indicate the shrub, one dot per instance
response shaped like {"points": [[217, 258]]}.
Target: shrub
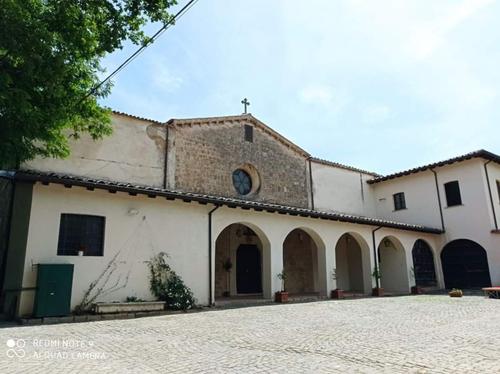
{"points": [[167, 286]]}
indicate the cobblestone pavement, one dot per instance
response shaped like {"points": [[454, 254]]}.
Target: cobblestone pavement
{"points": [[414, 334]]}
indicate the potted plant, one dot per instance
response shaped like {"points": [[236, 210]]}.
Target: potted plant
{"points": [[337, 293], [455, 292], [377, 291], [227, 265], [415, 290], [281, 296]]}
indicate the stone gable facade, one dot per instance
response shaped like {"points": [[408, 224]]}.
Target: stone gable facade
{"points": [[202, 157]]}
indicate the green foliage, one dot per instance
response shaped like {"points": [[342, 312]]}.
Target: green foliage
{"points": [[167, 286], [376, 273], [49, 60], [133, 299], [282, 276], [227, 265]]}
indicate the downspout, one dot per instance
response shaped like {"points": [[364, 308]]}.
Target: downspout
{"points": [[7, 242], [439, 199], [491, 195], [165, 165], [375, 257], [311, 183], [210, 291]]}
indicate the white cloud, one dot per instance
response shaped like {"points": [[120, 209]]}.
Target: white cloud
{"points": [[316, 94], [375, 114], [162, 76], [429, 38]]}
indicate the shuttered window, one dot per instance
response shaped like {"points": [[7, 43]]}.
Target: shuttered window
{"points": [[249, 133], [79, 232], [399, 201], [452, 190]]}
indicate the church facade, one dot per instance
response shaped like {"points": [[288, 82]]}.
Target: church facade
{"points": [[234, 204]]}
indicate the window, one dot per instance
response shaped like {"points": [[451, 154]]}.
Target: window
{"points": [[498, 189], [242, 182], [399, 201], [452, 190], [249, 133], [78, 232]]}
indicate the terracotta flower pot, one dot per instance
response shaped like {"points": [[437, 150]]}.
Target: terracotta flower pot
{"points": [[377, 291], [281, 297], [337, 294], [417, 290], [456, 293]]}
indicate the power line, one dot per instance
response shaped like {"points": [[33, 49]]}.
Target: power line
{"points": [[141, 49]]}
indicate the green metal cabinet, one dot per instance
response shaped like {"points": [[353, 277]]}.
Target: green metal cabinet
{"points": [[54, 285]]}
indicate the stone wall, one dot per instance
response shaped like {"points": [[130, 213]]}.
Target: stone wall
{"points": [[300, 262], [203, 156]]}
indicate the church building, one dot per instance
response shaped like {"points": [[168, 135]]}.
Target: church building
{"points": [[235, 204]]}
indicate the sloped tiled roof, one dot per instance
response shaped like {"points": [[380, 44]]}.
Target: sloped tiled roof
{"points": [[476, 154], [133, 189], [136, 117], [342, 166]]}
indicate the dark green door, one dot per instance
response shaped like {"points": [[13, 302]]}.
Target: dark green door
{"points": [[54, 284]]}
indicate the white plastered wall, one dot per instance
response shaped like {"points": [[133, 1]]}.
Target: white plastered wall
{"points": [[178, 228], [341, 190], [134, 153]]}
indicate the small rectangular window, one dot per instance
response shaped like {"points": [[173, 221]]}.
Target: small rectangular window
{"points": [[452, 191], [79, 232], [498, 189], [249, 133], [399, 201]]}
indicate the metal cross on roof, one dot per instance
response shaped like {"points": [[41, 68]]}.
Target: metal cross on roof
{"points": [[246, 103]]}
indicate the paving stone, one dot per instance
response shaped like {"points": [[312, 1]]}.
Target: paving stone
{"points": [[417, 334]]}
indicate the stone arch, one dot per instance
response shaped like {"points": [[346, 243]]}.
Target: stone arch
{"points": [[424, 264], [304, 262], [392, 265], [352, 263], [246, 248], [465, 265]]}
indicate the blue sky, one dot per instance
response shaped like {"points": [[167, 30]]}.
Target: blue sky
{"points": [[381, 85]]}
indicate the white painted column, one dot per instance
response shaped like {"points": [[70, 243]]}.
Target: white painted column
{"points": [[272, 267]]}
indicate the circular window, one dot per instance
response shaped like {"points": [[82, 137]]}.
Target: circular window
{"points": [[242, 182]]}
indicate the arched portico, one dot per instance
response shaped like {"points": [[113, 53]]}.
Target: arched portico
{"points": [[304, 262], [241, 261], [392, 266], [465, 265], [424, 269], [352, 264]]}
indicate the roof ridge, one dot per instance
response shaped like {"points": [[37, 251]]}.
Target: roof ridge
{"points": [[241, 117], [343, 166], [481, 153]]}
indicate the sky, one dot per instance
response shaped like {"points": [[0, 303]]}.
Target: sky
{"points": [[380, 85]]}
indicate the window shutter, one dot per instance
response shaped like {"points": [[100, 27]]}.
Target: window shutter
{"points": [[452, 191]]}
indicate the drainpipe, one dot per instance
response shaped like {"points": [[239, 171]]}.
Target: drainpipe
{"points": [[210, 293], [439, 199], [491, 196], [375, 257], [311, 183], [165, 165], [3, 273]]}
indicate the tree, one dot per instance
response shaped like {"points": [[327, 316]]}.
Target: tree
{"points": [[49, 61]]}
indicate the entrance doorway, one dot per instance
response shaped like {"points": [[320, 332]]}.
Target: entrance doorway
{"points": [[423, 264], [248, 269], [465, 265]]}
